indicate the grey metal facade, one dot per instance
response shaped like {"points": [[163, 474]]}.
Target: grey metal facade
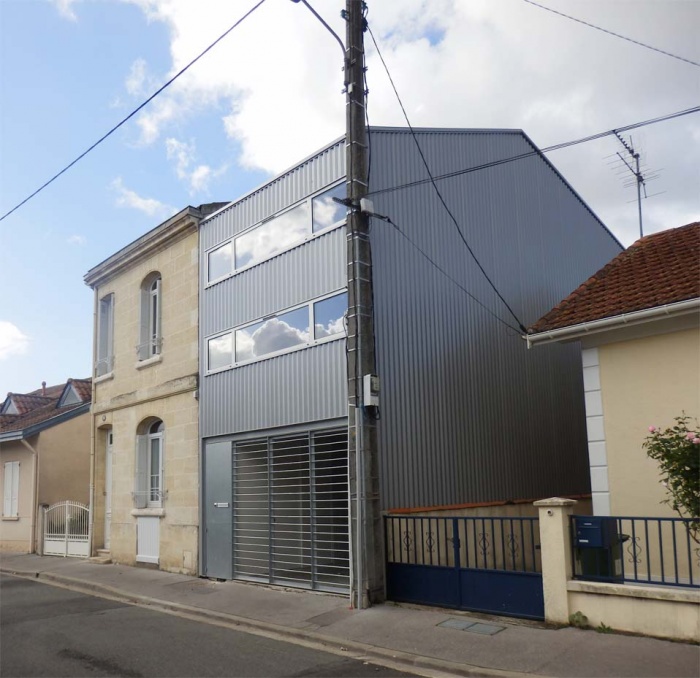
{"points": [[468, 414], [303, 386]]}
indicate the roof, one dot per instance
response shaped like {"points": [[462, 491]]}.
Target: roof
{"points": [[39, 408], [657, 270]]}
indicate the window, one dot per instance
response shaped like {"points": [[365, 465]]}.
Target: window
{"points": [[105, 331], [280, 333], [275, 235], [150, 339], [10, 489], [148, 490]]}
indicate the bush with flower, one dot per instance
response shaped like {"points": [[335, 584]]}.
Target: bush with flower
{"points": [[677, 451]]}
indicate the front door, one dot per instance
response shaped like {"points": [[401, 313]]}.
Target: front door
{"points": [[108, 488]]}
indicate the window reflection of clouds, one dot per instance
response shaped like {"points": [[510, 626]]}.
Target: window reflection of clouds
{"points": [[326, 211], [276, 334], [220, 263], [220, 351], [329, 314], [276, 235]]}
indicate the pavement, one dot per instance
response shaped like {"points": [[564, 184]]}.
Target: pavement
{"points": [[423, 640]]}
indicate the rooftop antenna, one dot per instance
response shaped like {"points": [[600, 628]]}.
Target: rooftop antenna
{"points": [[639, 177]]}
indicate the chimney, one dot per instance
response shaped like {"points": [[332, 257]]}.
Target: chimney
{"points": [[43, 388]]}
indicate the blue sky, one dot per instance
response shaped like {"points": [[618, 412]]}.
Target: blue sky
{"points": [[268, 96]]}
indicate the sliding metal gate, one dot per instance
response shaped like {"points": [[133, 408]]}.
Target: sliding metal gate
{"points": [[290, 510], [483, 564]]}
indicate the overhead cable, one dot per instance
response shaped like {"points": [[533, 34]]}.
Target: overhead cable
{"points": [[437, 190], [135, 111], [617, 35], [540, 151]]}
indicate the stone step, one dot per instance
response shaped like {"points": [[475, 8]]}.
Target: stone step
{"points": [[100, 560]]}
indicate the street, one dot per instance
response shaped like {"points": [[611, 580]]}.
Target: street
{"points": [[49, 631]]}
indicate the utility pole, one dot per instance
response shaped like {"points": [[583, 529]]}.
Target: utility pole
{"points": [[365, 523]]}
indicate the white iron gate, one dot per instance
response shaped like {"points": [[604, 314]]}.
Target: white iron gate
{"points": [[66, 530]]}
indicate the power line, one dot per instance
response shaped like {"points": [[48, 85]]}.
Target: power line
{"points": [[617, 35], [447, 275], [437, 190], [134, 112], [536, 152]]}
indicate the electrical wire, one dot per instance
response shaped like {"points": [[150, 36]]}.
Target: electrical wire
{"points": [[541, 151], [388, 220], [617, 35], [135, 111], [437, 190]]}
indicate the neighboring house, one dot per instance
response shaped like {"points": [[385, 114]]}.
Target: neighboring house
{"points": [[638, 323], [467, 414], [146, 446], [44, 457]]}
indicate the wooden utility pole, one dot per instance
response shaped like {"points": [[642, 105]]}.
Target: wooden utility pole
{"points": [[366, 526]]}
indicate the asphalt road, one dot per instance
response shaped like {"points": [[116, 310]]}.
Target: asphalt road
{"points": [[49, 631]]}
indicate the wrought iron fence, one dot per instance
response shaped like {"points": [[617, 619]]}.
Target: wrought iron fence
{"points": [[659, 551], [486, 543]]}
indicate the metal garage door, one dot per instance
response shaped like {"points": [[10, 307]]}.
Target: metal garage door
{"points": [[290, 510]]}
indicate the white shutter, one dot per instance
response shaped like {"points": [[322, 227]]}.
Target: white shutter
{"points": [[141, 475], [11, 489]]}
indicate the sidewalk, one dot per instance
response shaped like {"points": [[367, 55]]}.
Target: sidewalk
{"points": [[406, 636]]}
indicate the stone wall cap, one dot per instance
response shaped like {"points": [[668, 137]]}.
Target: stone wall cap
{"points": [[555, 501]]}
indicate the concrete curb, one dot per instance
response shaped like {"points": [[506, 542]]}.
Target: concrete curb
{"points": [[347, 648]]}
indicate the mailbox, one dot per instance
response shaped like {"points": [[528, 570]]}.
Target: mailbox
{"points": [[598, 548], [594, 532]]}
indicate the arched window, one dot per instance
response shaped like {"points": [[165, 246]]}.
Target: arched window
{"points": [[148, 490], [150, 337]]}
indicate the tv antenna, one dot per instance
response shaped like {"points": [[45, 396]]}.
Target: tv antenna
{"points": [[639, 179]]}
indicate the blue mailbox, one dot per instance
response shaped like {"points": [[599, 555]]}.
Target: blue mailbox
{"points": [[598, 548]]}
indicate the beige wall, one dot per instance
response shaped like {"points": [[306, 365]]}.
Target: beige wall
{"points": [[64, 461], [16, 533], [164, 389], [645, 382]]}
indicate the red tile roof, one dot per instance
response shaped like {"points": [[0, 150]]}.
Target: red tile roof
{"points": [[35, 408], [659, 269]]}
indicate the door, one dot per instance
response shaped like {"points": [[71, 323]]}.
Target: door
{"points": [[108, 488], [217, 510]]}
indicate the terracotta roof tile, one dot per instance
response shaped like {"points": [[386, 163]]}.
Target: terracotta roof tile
{"points": [[659, 269], [35, 408]]}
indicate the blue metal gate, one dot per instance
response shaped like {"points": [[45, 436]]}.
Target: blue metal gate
{"points": [[478, 563]]}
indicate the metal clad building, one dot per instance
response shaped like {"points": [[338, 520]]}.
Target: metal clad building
{"points": [[467, 413]]}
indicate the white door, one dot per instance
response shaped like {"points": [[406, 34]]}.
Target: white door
{"points": [[147, 539], [108, 488]]}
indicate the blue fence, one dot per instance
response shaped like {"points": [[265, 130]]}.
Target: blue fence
{"points": [[658, 551], [475, 563]]}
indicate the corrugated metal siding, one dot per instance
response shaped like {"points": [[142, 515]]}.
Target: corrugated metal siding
{"points": [[468, 413], [303, 386]]}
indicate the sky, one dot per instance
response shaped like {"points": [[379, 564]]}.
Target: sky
{"points": [[269, 95]]}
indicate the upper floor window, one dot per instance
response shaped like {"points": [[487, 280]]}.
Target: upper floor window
{"points": [[105, 336], [150, 337], [275, 235], [148, 490], [279, 333]]}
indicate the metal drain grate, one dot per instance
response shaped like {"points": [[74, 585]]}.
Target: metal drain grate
{"points": [[472, 626]]}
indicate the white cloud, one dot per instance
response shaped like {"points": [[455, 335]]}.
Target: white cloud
{"points": [[76, 240], [277, 79], [13, 341], [150, 206], [136, 79], [183, 154], [65, 8]]}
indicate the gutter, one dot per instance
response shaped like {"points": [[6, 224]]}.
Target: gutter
{"points": [[35, 503], [615, 322]]}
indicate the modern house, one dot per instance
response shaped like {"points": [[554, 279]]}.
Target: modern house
{"points": [[44, 457], [466, 415], [144, 414], [638, 323]]}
